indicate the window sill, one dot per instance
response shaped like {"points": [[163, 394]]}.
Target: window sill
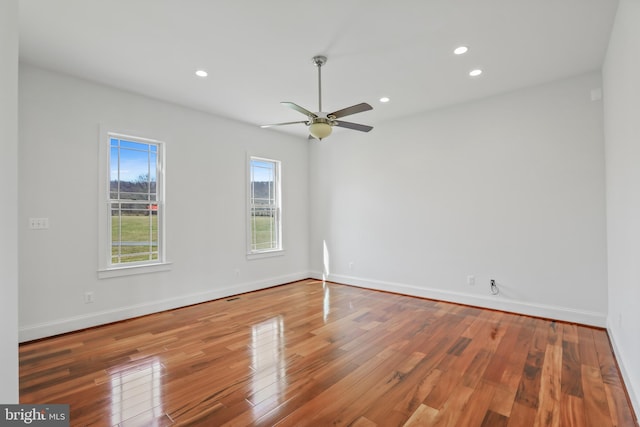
{"points": [[130, 270], [265, 254]]}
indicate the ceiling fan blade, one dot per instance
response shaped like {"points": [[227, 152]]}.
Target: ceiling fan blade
{"points": [[358, 108], [299, 108], [354, 126], [282, 124]]}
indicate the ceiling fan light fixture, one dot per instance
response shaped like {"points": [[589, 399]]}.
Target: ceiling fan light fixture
{"points": [[320, 130]]}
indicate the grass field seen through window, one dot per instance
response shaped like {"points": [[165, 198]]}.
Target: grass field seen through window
{"points": [[263, 229], [134, 238]]}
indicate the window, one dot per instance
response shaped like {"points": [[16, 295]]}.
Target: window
{"points": [[264, 206], [133, 221]]}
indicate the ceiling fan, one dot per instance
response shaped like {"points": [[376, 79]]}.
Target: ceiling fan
{"points": [[320, 123]]}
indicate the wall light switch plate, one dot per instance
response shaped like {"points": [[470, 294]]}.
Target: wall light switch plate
{"points": [[38, 223]]}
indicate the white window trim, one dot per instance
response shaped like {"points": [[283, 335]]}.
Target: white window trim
{"points": [[264, 253], [105, 269]]}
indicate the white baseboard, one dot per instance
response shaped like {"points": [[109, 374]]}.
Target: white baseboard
{"points": [[496, 303], [47, 329], [41, 330], [622, 363]]}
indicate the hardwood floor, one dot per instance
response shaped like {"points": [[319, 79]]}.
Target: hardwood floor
{"points": [[316, 354]]}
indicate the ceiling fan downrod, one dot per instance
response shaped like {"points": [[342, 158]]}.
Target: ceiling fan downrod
{"points": [[319, 60]]}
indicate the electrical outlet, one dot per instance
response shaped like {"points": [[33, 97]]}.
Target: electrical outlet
{"points": [[471, 280], [89, 297], [493, 287], [351, 265]]}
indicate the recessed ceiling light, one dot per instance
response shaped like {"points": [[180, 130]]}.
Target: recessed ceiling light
{"points": [[384, 99], [475, 73], [201, 73], [460, 50]]}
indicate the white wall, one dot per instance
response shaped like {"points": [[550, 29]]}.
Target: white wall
{"points": [[9, 205], [206, 187], [622, 132], [509, 188]]}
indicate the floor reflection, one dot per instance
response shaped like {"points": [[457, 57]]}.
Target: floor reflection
{"points": [[268, 360], [136, 391], [326, 302]]}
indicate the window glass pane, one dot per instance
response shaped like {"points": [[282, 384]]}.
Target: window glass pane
{"points": [[134, 233], [153, 166], [134, 145], [113, 171], [264, 205], [134, 209], [134, 174], [263, 226]]}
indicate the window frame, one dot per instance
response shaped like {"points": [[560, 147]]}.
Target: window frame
{"points": [[106, 268], [279, 249]]}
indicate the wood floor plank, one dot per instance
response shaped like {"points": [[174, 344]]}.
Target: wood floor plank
{"points": [[503, 351], [571, 377], [619, 405], [503, 400], [521, 415], [617, 399], [572, 411], [548, 411], [407, 402], [517, 358], [315, 353], [595, 399], [478, 404], [363, 422], [453, 407], [570, 333], [493, 419], [529, 387], [586, 345], [423, 416]]}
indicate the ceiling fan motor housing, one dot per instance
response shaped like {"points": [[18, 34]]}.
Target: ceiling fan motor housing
{"points": [[319, 60]]}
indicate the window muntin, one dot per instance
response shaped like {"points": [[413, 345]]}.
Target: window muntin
{"points": [[264, 205], [134, 203]]}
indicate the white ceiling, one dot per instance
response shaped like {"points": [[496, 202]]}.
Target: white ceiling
{"points": [[258, 52]]}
